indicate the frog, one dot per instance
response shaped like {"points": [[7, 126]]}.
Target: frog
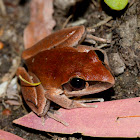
{"points": [[64, 68]]}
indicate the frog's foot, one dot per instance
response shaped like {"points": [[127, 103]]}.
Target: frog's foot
{"points": [[53, 116]]}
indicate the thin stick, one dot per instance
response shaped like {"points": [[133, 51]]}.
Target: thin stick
{"points": [[2, 7], [66, 22], [102, 22], [77, 23], [90, 30], [97, 38], [128, 117]]}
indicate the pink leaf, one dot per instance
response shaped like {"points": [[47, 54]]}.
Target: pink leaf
{"points": [[41, 22], [98, 122], [8, 136]]}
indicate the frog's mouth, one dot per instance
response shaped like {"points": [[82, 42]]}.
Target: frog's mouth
{"points": [[89, 87]]}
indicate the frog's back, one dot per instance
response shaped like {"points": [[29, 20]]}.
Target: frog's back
{"points": [[57, 66]]}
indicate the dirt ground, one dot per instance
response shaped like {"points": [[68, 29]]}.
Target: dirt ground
{"points": [[121, 27]]}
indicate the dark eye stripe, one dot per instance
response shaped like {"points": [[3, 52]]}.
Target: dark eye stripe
{"points": [[100, 55]]}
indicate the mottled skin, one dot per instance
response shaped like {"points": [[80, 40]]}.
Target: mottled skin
{"points": [[54, 61]]}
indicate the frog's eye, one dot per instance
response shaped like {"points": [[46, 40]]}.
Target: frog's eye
{"points": [[77, 83]]}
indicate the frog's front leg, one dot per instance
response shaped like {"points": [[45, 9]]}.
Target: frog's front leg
{"points": [[57, 96]]}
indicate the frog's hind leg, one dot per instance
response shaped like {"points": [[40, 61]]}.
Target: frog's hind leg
{"points": [[69, 37]]}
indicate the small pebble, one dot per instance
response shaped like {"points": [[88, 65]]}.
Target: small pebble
{"points": [[116, 64]]}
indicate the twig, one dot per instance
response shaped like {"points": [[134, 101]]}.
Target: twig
{"points": [[78, 22], [90, 30], [102, 22], [131, 3], [102, 46], [97, 38], [11, 73], [66, 22], [91, 41], [94, 3], [2, 7], [4, 104], [128, 117]]}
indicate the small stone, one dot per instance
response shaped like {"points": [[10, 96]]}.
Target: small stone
{"points": [[116, 64], [3, 87]]}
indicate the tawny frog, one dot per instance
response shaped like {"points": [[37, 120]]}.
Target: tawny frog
{"points": [[65, 69]]}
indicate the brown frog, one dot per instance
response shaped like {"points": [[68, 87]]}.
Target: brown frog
{"points": [[65, 69]]}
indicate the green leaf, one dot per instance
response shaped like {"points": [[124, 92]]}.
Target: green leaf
{"points": [[116, 4]]}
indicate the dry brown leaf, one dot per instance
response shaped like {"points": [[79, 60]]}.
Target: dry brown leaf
{"points": [[41, 22]]}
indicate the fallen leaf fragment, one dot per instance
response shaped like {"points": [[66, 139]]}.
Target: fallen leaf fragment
{"points": [[8, 136], [41, 22], [1, 31], [6, 112], [1, 45], [97, 122], [13, 102]]}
